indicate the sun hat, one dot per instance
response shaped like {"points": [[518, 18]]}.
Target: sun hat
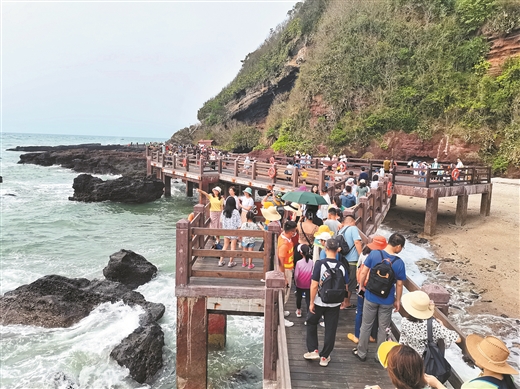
{"points": [[383, 350], [350, 181], [294, 207], [271, 214], [378, 243], [321, 229], [218, 189], [418, 304], [248, 190], [489, 353], [362, 181], [323, 236]]}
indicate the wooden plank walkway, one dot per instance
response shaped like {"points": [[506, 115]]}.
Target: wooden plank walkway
{"points": [[344, 370]]}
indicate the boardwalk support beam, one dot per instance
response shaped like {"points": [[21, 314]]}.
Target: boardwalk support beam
{"points": [[192, 343], [462, 210], [167, 186], [430, 218], [485, 202], [274, 284]]}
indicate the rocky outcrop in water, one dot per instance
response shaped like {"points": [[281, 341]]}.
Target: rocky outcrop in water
{"points": [[55, 301], [129, 268], [94, 158], [124, 189]]}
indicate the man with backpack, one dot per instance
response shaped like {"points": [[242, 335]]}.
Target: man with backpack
{"points": [[328, 291], [351, 235], [383, 290]]}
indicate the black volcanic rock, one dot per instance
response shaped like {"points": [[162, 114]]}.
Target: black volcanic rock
{"points": [[55, 301], [129, 268], [124, 189]]}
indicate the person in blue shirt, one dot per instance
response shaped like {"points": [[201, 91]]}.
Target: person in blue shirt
{"points": [[376, 306], [363, 175], [348, 199]]}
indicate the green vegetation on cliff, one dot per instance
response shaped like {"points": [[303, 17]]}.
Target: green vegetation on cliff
{"points": [[413, 65]]}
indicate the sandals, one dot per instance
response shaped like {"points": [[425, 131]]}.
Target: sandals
{"points": [[232, 264]]}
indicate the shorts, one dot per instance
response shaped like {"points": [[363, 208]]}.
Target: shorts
{"points": [[247, 245], [352, 282]]}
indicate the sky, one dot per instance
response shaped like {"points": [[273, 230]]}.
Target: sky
{"points": [[129, 68]]}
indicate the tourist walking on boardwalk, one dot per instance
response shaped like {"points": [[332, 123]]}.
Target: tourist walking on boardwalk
{"points": [[362, 190], [246, 203], [378, 243], [405, 367], [379, 299], [306, 231], [350, 233], [302, 277], [216, 205], [347, 198], [414, 332], [286, 260], [230, 220], [248, 242], [490, 355], [318, 308]]}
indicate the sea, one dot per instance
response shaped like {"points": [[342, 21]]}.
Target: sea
{"points": [[44, 233]]}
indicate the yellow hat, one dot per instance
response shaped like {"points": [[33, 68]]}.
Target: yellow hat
{"points": [[383, 350], [323, 228]]}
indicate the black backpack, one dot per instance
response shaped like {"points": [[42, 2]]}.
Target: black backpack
{"points": [[434, 362], [340, 238], [382, 277], [331, 288]]}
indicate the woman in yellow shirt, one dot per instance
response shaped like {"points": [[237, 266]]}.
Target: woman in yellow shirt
{"points": [[216, 205]]}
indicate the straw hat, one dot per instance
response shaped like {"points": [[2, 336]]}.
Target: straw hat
{"points": [[321, 229], [378, 243], [418, 304], [248, 190], [294, 207], [383, 350], [489, 353], [271, 214]]}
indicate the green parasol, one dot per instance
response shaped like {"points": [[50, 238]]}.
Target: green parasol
{"points": [[304, 198]]}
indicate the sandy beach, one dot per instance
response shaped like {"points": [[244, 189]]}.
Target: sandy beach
{"points": [[486, 250]]}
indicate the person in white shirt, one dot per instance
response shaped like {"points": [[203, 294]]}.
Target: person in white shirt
{"points": [[323, 211]]}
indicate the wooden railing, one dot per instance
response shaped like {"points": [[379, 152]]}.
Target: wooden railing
{"points": [[432, 178]]}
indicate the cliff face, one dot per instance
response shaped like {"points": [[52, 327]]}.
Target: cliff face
{"points": [[502, 48]]}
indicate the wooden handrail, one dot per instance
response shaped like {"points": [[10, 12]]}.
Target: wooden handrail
{"points": [[283, 372]]}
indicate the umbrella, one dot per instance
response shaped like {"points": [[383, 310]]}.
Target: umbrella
{"points": [[304, 198]]}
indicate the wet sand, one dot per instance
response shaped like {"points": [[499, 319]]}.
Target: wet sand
{"points": [[485, 251]]}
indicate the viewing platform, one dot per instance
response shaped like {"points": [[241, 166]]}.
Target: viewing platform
{"points": [[234, 170]]}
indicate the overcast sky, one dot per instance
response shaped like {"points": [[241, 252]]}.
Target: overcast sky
{"points": [[123, 68]]}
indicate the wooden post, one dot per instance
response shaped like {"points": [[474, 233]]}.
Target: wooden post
{"points": [[485, 202], [158, 174], [220, 165], [189, 188], [183, 252], [295, 177], [201, 166], [430, 217], [148, 166], [321, 179], [275, 230], [167, 186], [187, 158], [192, 343], [253, 171], [199, 208], [363, 202], [274, 284], [462, 210], [217, 326], [316, 163], [174, 161], [428, 175], [235, 168]]}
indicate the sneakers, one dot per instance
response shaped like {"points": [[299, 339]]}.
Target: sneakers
{"points": [[324, 361], [355, 353], [312, 355], [244, 265], [288, 323], [353, 338], [286, 313], [252, 266], [322, 323], [298, 313]]}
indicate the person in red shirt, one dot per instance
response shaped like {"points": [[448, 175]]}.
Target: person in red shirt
{"points": [[286, 260]]}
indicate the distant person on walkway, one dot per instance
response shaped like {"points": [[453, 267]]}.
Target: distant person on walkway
{"points": [[405, 368], [286, 260], [323, 210], [246, 203], [490, 355], [248, 242], [374, 305], [386, 165], [302, 277], [317, 308], [459, 165], [374, 183], [362, 189], [230, 220], [216, 205], [414, 332], [348, 200], [363, 175]]}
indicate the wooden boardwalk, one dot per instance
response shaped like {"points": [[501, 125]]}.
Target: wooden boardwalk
{"points": [[344, 370]]}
